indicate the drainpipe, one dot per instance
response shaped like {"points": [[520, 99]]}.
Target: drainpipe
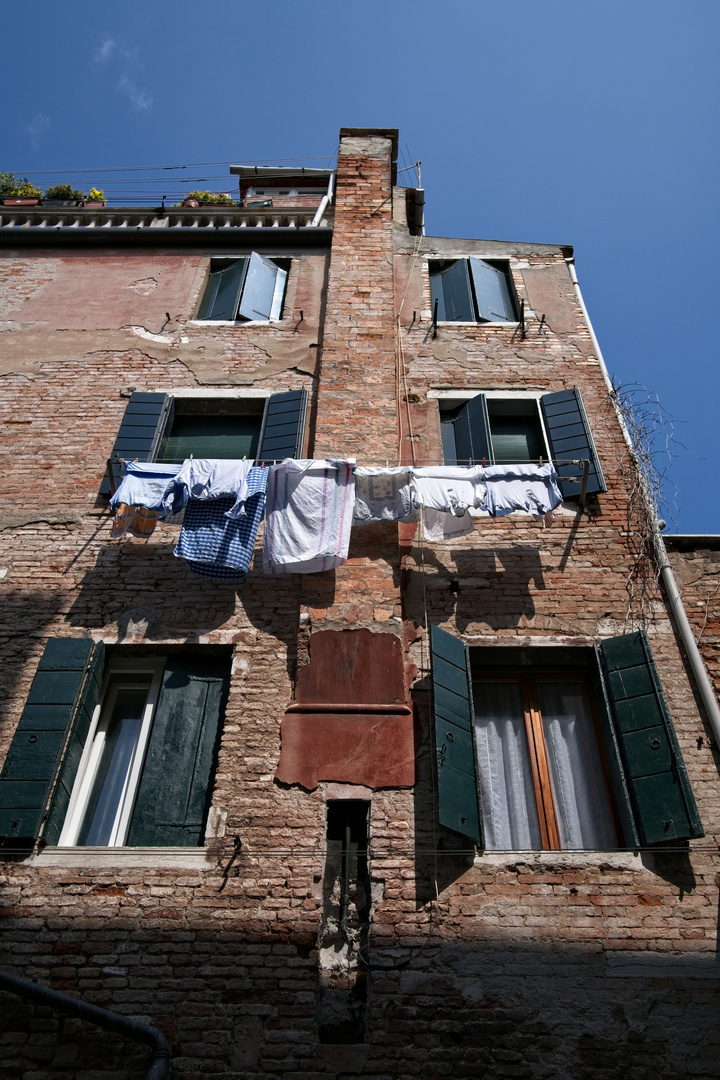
{"points": [[682, 623], [111, 1021], [326, 200]]}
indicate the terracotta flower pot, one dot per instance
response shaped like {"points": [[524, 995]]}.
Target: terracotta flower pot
{"points": [[20, 200]]}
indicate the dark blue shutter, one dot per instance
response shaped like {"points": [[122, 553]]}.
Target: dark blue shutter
{"points": [[175, 787], [284, 426], [457, 788], [140, 431], [222, 292], [492, 292], [659, 787], [451, 288], [36, 748], [78, 737], [472, 433], [571, 439]]}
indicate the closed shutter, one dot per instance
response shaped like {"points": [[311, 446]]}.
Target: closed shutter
{"points": [[263, 291], [656, 776], [457, 787], [472, 434], [36, 748], [492, 292], [284, 426], [222, 293], [173, 796], [571, 440], [140, 431], [450, 286]]}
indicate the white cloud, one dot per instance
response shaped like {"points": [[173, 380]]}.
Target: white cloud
{"points": [[140, 99], [103, 53], [36, 128]]}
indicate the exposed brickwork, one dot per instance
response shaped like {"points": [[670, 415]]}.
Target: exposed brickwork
{"points": [[595, 966]]}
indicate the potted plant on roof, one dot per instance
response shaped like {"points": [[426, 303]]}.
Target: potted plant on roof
{"points": [[63, 195], [208, 198], [94, 197], [18, 191]]}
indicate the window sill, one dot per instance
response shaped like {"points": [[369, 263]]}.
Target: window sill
{"points": [[475, 322], [544, 860], [99, 857], [241, 322]]}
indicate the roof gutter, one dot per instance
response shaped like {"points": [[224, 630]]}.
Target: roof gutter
{"points": [[104, 1018], [677, 608]]}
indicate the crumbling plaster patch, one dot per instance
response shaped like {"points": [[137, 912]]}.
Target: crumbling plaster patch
{"points": [[209, 359]]}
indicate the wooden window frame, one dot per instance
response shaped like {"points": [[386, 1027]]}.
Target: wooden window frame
{"points": [[536, 744]]}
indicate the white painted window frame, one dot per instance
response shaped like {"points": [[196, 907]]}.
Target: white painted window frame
{"points": [[92, 754]]}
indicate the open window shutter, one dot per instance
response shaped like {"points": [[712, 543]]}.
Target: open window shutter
{"points": [[659, 787], [36, 748], [263, 290], [613, 754], [68, 770], [173, 797], [571, 440], [140, 430], [492, 292], [222, 293], [451, 287], [458, 792], [472, 433], [284, 426]]}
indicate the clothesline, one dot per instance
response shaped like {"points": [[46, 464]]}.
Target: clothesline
{"points": [[310, 506]]}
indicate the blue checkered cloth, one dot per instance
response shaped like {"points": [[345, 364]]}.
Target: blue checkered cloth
{"points": [[219, 547]]}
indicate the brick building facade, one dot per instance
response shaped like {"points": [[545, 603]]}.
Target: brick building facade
{"points": [[337, 895]]}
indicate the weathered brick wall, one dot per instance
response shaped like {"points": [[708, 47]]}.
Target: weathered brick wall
{"points": [[696, 565], [574, 964]]}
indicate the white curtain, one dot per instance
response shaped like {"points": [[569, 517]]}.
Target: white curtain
{"points": [[508, 799], [581, 800]]}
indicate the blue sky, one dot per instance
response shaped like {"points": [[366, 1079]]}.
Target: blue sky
{"points": [[593, 124]]}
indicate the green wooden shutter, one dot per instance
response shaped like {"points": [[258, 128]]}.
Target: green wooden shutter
{"points": [[174, 792], [284, 426], [223, 290], [36, 748], [613, 754], [458, 792], [140, 431], [571, 439], [472, 433], [492, 291], [657, 779], [78, 737]]}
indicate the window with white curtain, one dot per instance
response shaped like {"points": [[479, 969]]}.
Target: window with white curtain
{"points": [[542, 778]]}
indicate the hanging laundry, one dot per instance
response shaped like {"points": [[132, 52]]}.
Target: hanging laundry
{"points": [[209, 478], [138, 500], [439, 526], [309, 515], [216, 545], [532, 488], [382, 494], [449, 488]]}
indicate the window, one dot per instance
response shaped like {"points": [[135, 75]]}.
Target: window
{"points": [[160, 427], [496, 430], [251, 288], [472, 290], [541, 775], [571, 749], [132, 743]]}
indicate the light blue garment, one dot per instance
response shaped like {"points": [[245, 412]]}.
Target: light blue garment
{"points": [[210, 478], [144, 484], [532, 488]]}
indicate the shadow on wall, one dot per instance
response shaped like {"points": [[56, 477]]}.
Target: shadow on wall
{"points": [[28, 613], [495, 582], [492, 1008]]}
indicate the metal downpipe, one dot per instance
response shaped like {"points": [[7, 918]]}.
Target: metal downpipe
{"points": [[104, 1018]]}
